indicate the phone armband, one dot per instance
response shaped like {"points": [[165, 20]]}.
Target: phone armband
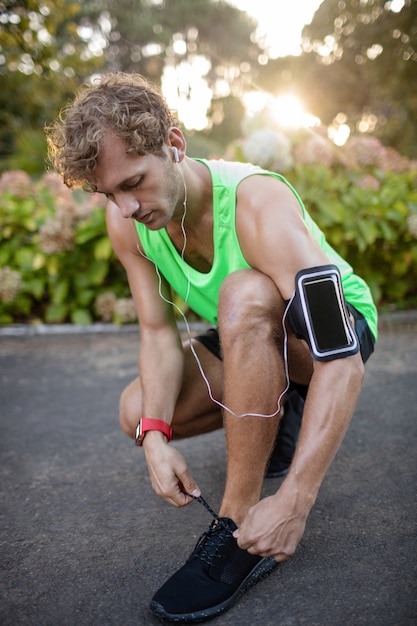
{"points": [[319, 315]]}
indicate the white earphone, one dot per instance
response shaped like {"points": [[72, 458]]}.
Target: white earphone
{"points": [[176, 154]]}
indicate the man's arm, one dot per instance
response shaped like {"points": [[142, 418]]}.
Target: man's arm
{"points": [[282, 247], [275, 526], [160, 359]]}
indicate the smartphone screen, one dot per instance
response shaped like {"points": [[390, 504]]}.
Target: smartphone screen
{"points": [[326, 316]]}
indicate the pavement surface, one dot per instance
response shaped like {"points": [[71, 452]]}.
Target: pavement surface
{"points": [[85, 541]]}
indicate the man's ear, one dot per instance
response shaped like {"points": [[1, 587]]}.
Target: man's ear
{"points": [[177, 143]]}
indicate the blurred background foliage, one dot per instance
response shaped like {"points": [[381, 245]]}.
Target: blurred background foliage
{"points": [[359, 60], [357, 73]]}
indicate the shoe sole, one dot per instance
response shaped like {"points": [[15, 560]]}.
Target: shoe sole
{"points": [[260, 571]]}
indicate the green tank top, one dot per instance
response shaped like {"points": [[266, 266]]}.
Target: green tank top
{"points": [[201, 290]]}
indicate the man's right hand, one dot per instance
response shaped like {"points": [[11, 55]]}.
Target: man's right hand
{"points": [[168, 470]]}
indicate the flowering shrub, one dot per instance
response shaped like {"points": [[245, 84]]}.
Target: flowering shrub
{"points": [[370, 219], [10, 284], [57, 265], [369, 151], [363, 196], [56, 261], [313, 150]]}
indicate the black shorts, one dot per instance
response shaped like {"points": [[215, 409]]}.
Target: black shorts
{"points": [[211, 340]]}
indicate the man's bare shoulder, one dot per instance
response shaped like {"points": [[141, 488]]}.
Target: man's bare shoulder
{"points": [[259, 193], [272, 231]]}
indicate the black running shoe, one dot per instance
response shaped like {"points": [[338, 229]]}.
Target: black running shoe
{"points": [[217, 573], [287, 437]]}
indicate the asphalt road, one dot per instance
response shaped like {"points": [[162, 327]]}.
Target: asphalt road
{"points": [[84, 541]]}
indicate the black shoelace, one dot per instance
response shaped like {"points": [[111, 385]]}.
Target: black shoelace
{"points": [[210, 542], [201, 500]]}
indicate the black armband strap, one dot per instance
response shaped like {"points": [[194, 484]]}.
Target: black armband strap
{"points": [[319, 315]]}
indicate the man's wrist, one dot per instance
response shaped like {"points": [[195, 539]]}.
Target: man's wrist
{"points": [[147, 424], [304, 493]]}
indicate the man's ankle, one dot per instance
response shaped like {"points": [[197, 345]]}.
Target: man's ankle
{"points": [[234, 512]]}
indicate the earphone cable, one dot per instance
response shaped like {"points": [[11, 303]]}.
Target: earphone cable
{"points": [[188, 330]]}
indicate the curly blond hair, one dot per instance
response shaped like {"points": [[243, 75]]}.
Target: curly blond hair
{"points": [[124, 103]]}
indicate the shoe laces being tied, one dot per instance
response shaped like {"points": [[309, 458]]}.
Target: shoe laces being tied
{"points": [[210, 543]]}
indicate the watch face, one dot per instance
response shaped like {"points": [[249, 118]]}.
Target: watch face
{"points": [[139, 435]]}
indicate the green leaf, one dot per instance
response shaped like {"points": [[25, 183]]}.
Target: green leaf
{"points": [[24, 258], [35, 286], [52, 265], [60, 291], [102, 249], [56, 313], [85, 297], [97, 272], [82, 317], [81, 281], [4, 255], [368, 231], [5, 318]]}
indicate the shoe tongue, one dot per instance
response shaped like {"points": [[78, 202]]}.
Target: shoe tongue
{"points": [[224, 522]]}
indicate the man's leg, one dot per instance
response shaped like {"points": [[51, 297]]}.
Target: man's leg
{"points": [[250, 324], [218, 571], [291, 415], [195, 413]]}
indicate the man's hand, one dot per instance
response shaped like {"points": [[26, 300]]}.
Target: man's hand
{"points": [[168, 470], [273, 527]]}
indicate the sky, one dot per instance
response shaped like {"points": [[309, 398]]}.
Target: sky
{"points": [[281, 21]]}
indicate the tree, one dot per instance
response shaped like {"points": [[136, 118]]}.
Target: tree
{"points": [[359, 61], [44, 55], [365, 62], [48, 48], [187, 39]]}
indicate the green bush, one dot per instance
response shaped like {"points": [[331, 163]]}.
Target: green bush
{"points": [[371, 220], [363, 196], [56, 262], [57, 265]]}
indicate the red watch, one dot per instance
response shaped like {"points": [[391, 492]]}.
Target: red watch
{"points": [[146, 424]]}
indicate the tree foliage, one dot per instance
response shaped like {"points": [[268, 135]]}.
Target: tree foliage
{"points": [[147, 35], [48, 47], [366, 61], [43, 58], [359, 60], [210, 37]]}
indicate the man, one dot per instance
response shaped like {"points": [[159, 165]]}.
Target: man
{"points": [[237, 244]]}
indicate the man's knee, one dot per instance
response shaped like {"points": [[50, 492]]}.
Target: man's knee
{"points": [[249, 301], [130, 408]]}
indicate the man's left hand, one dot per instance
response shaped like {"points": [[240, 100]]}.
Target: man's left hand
{"points": [[271, 528]]}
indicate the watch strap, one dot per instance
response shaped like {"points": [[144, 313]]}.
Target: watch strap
{"points": [[147, 423]]}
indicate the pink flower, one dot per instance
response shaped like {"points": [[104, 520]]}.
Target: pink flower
{"points": [[104, 306], [125, 311], [10, 284], [16, 182], [364, 150], [392, 161], [315, 150], [369, 182]]}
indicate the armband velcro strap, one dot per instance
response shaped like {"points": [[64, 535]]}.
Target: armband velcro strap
{"points": [[318, 314]]}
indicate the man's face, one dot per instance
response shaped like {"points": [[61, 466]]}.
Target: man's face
{"points": [[146, 188]]}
